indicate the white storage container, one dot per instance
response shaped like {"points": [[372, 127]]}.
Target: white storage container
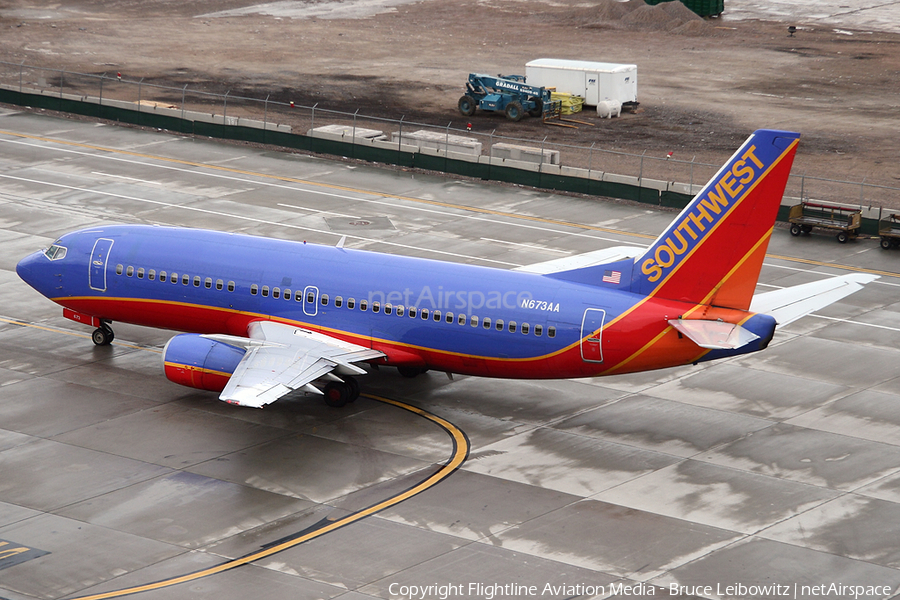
{"points": [[595, 81]]}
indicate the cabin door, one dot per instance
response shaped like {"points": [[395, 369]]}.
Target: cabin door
{"points": [[99, 257], [591, 333]]}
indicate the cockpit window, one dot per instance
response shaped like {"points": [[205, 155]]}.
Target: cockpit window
{"points": [[55, 252]]}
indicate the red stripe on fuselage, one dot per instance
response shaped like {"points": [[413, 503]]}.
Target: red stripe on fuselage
{"points": [[621, 340]]}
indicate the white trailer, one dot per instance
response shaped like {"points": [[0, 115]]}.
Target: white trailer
{"points": [[595, 81]]}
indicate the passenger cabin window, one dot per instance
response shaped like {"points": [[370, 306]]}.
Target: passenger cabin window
{"points": [[287, 294], [499, 325], [151, 274], [538, 330], [424, 314], [129, 271], [473, 321], [486, 323], [207, 283], [311, 297], [376, 307], [448, 318], [351, 303], [173, 278], [324, 299], [230, 286], [276, 292], [388, 309], [338, 302], [461, 319], [525, 328], [186, 279], [511, 326], [551, 331], [400, 311], [363, 305], [412, 312], [298, 296], [254, 289], [163, 276], [196, 281], [140, 273], [265, 291], [436, 316], [119, 269], [219, 284]]}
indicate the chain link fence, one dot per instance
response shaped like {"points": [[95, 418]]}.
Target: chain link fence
{"points": [[234, 109]]}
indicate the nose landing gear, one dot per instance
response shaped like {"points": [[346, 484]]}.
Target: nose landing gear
{"points": [[103, 335]]}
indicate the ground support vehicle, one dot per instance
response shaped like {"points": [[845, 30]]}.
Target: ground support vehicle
{"points": [[508, 94], [843, 219], [889, 231]]}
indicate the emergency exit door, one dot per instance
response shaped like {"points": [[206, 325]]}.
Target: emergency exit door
{"points": [[591, 334]]}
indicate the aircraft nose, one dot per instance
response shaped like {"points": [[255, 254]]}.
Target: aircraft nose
{"points": [[28, 269]]}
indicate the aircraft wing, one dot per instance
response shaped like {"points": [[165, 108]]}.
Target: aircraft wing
{"points": [[789, 304], [581, 261], [281, 358]]}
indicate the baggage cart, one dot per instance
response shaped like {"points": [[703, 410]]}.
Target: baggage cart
{"points": [[889, 231], [843, 219]]}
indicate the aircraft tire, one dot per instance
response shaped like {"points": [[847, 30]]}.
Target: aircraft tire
{"points": [[102, 336], [336, 394], [353, 386]]}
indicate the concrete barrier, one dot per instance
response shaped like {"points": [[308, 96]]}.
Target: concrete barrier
{"points": [[341, 133], [440, 141], [525, 154]]}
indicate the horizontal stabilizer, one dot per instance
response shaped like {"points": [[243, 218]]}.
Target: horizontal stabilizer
{"points": [[715, 335], [789, 304], [581, 261]]}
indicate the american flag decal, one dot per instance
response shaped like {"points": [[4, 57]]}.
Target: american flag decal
{"points": [[612, 276]]}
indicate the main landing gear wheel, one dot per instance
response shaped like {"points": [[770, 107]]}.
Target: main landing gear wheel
{"points": [[103, 336], [338, 393], [354, 388]]}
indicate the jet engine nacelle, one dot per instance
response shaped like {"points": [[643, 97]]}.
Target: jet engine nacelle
{"points": [[197, 362]]}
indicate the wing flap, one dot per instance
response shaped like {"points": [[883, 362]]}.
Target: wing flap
{"points": [[281, 359]]}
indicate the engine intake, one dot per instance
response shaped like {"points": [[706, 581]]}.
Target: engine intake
{"points": [[197, 362]]}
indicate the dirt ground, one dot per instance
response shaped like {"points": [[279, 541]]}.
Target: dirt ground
{"points": [[703, 85]]}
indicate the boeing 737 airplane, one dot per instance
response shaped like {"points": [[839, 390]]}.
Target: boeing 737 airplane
{"points": [[265, 317]]}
